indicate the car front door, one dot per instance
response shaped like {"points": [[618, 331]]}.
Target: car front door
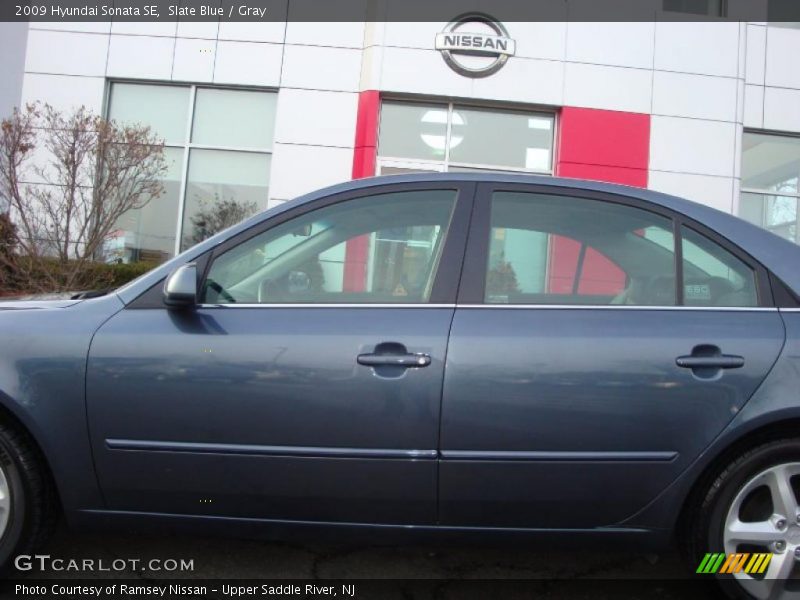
{"points": [[306, 383], [581, 379]]}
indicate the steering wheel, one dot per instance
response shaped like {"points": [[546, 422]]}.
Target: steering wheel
{"points": [[220, 291]]}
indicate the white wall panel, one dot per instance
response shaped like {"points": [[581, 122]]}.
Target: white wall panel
{"points": [[316, 118], [754, 106], [140, 56], [340, 35], [617, 44], [298, 169], [401, 34], [612, 88], [421, 72], [756, 45], [783, 50], [152, 28], [66, 53], [524, 80], [716, 192], [540, 40], [194, 60], [251, 31], [696, 96], [87, 27], [692, 146], [64, 92], [246, 63], [206, 30], [782, 109], [704, 48], [318, 68]]}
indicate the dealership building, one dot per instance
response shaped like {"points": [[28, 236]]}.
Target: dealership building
{"points": [[254, 114]]}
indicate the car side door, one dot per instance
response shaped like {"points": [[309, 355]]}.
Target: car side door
{"points": [[306, 382], [599, 345]]}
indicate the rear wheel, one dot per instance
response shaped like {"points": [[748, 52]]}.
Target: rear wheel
{"points": [[27, 506], [752, 508]]}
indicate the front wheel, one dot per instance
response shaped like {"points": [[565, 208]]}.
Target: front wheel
{"points": [[27, 506], [749, 524]]}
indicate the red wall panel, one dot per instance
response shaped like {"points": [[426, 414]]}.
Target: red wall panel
{"points": [[589, 138], [603, 145], [364, 156]]}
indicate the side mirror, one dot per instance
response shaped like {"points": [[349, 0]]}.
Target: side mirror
{"points": [[180, 288]]}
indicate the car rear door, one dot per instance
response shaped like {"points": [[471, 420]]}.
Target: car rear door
{"points": [[581, 379], [306, 385]]}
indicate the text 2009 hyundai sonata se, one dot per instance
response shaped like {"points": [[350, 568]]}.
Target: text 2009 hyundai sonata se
{"points": [[444, 352]]}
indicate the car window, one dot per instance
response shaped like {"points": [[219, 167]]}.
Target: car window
{"points": [[562, 250], [713, 276], [377, 249]]}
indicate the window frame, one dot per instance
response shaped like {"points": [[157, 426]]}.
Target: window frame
{"points": [[448, 268], [473, 283], [764, 193], [188, 145]]}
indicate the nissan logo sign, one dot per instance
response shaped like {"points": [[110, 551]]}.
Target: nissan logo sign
{"points": [[475, 45]]}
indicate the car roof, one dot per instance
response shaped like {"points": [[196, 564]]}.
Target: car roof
{"points": [[779, 255]]}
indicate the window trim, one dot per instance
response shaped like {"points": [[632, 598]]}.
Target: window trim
{"points": [[473, 284], [448, 270]]}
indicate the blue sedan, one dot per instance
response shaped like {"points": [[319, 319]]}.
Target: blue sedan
{"points": [[483, 353]]}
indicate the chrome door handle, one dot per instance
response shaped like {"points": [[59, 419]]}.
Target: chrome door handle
{"points": [[394, 360], [707, 361], [723, 361]]}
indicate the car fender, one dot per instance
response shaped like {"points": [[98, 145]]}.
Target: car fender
{"points": [[43, 385]]}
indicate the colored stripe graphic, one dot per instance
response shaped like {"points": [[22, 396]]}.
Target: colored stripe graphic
{"points": [[734, 563], [761, 564], [711, 563]]}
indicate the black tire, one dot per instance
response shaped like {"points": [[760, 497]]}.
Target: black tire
{"points": [[33, 513], [706, 522]]}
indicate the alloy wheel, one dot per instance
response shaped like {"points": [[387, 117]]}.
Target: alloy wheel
{"points": [[764, 517], [5, 502]]}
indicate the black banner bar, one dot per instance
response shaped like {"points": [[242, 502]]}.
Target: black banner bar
{"points": [[332, 11], [354, 589]]}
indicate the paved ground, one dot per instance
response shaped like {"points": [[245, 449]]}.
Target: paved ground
{"points": [[559, 574]]}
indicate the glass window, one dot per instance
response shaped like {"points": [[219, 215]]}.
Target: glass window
{"points": [[218, 150], [389, 170], [712, 276], [164, 108], [148, 233], [233, 118], [560, 250], [459, 138], [413, 130], [776, 213], [223, 188], [771, 163], [771, 183], [525, 140], [379, 249]]}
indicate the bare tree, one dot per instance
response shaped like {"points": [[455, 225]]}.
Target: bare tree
{"points": [[8, 237], [65, 206]]}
